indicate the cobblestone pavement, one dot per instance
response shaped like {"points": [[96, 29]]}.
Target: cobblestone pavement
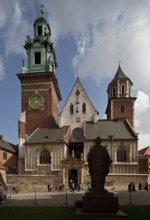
{"points": [[63, 198]]}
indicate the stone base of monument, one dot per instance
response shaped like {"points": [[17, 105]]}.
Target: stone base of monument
{"points": [[99, 204]]}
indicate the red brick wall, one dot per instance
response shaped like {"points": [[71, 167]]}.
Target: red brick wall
{"points": [[11, 164], [21, 127], [128, 109], [114, 109], [44, 116], [143, 164]]}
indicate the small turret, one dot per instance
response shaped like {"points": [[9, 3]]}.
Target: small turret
{"points": [[40, 51], [41, 27], [120, 86], [120, 102]]}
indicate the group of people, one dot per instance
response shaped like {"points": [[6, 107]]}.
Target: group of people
{"points": [[131, 186], [61, 188], [73, 185]]}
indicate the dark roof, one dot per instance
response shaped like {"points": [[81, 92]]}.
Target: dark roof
{"points": [[120, 75], [47, 135], [8, 146], [145, 151], [104, 128]]}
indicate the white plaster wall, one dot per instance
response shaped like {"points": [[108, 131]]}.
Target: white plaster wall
{"points": [[32, 155], [77, 118]]}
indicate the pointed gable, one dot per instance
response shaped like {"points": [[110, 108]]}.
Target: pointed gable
{"points": [[78, 107]]}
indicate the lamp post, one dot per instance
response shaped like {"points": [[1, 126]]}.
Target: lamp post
{"points": [[111, 139]]}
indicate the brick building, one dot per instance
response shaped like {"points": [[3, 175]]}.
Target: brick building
{"points": [[8, 156], [144, 160]]}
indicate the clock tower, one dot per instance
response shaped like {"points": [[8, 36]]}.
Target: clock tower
{"points": [[40, 93]]}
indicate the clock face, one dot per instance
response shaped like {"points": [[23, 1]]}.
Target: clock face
{"points": [[36, 102], [78, 134]]}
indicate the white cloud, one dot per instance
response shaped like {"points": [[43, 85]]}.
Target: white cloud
{"points": [[106, 32], [122, 35], [2, 68], [142, 103], [142, 118], [17, 28], [144, 140], [2, 18]]}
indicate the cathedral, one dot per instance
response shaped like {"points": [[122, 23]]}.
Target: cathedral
{"points": [[53, 146]]}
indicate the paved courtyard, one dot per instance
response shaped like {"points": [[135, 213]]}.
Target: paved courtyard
{"points": [[61, 198]]}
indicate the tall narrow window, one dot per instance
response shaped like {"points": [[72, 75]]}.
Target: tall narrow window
{"points": [[114, 91], [45, 157], [121, 155], [71, 109], [4, 156], [122, 89], [45, 32], [122, 109], [40, 30], [37, 58], [84, 108]]}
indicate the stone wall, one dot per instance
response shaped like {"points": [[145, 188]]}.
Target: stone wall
{"points": [[121, 181], [31, 183]]}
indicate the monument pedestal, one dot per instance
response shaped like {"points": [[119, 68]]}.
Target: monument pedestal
{"points": [[100, 203]]}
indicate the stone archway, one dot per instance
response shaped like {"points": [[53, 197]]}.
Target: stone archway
{"points": [[72, 168], [73, 174]]}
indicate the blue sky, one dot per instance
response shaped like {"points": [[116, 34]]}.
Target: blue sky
{"points": [[90, 38]]}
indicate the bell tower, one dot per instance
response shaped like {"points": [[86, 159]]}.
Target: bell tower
{"points": [[40, 92], [120, 102]]}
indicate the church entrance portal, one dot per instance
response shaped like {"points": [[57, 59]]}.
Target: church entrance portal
{"points": [[72, 168], [73, 174]]}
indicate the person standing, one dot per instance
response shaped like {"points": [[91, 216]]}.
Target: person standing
{"points": [[146, 186], [140, 185], [49, 187], [72, 186]]}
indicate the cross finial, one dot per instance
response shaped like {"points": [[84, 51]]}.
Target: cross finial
{"points": [[42, 10], [120, 62], [77, 74]]}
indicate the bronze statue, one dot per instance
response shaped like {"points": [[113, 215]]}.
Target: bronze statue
{"points": [[99, 163]]}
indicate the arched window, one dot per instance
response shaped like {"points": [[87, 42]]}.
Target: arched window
{"points": [[84, 108], [71, 109], [121, 155], [45, 157], [40, 30]]}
